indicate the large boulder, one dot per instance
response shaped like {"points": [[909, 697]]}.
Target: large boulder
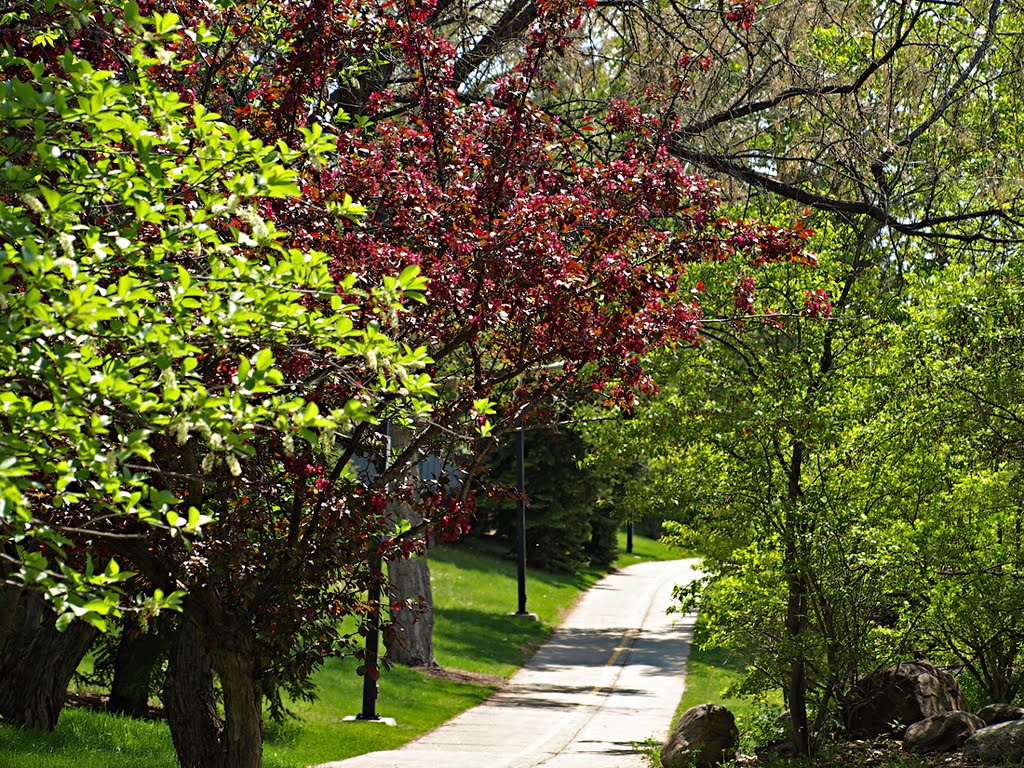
{"points": [[1000, 713], [889, 700], [942, 733], [705, 736], [1000, 744]]}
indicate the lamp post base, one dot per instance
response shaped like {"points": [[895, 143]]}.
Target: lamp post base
{"points": [[525, 615], [379, 720]]}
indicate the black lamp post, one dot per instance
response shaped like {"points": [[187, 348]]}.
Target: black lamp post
{"points": [[371, 656], [521, 527], [371, 668]]}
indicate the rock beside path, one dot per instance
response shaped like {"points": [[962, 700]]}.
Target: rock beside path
{"points": [[1000, 713], [1001, 744], [902, 695], [944, 732], [705, 736]]}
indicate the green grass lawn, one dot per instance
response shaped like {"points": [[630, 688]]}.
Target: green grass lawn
{"points": [[646, 549], [475, 590]]}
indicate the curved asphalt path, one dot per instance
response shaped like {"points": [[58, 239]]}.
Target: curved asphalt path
{"points": [[611, 675]]}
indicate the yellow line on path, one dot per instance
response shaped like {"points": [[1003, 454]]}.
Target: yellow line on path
{"points": [[628, 641]]}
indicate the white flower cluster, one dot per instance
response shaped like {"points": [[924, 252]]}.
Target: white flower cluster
{"points": [[67, 244], [327, 440], [228, 206], [230, 460], [219, 451], [33, 203], [260, 231]]}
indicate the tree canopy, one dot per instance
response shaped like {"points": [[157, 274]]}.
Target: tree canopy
{"points": [[244, 238], [246, 243]]}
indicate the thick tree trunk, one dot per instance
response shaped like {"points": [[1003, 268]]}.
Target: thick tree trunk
{"points": [[189, 701], [243, 707], [411, 641], [138, 655], [201, 738], [37, 661]]}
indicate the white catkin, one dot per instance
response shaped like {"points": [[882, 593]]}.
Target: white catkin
{"points": [[169, 379], [371, 359], [233, 464], [256, 222], [33, 203], [229, 206], [289, 444], [67, 244], [208, 461], [66, 264], [216, 441], [183, 426], [327, 440]]}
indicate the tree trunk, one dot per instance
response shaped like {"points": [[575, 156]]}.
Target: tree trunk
{"points": [[189, 701], [797, 688], [37, 661], [243, 707], [201, 738], [138, 655], [411, 639], [796, 607]]}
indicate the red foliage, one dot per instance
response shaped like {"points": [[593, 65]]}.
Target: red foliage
{"points": [[817, 304], [743, 13]]}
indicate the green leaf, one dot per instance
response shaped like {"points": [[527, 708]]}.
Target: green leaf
{"points": [[264, 359]]}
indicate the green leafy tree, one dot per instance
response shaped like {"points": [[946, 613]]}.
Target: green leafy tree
{"points": [[752, 433], [852, 479], [964, 343], [158, 350]]}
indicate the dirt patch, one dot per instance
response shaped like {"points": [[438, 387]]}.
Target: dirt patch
{"points": [[98, 702], [458, 676]]}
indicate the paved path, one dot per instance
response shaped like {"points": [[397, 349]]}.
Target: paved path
{"points": [[611, 675]]}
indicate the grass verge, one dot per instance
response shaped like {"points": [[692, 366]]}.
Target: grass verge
{"points": [[646, 549], [475, 590], [710, 674]]}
